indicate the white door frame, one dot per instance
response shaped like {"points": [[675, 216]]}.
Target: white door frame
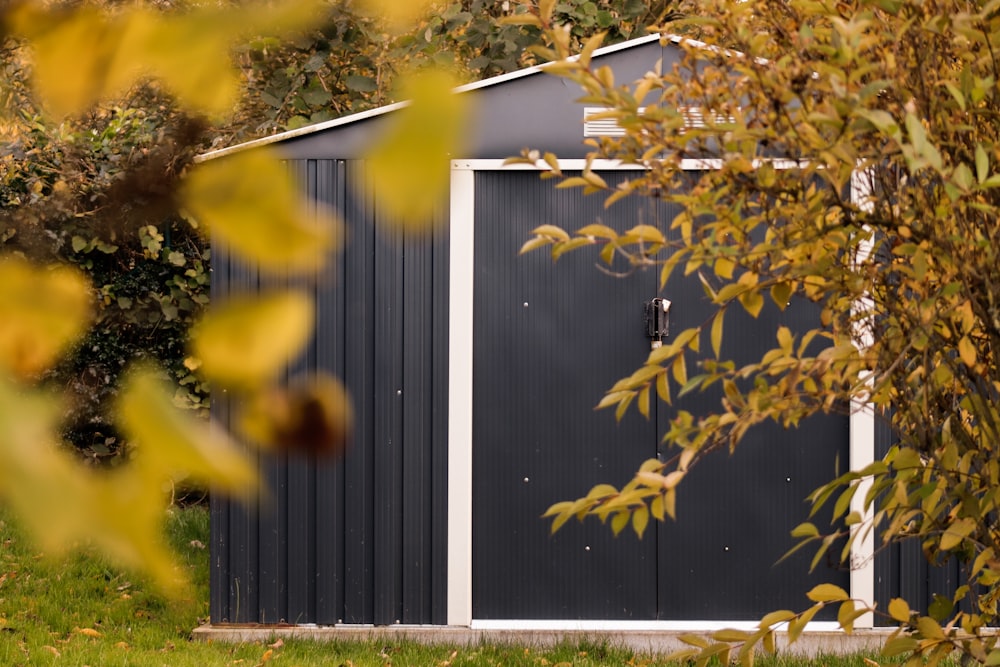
{"points": [[460, 407]]}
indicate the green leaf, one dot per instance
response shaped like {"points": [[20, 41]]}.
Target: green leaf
{"points": [[941, 608], [982, 164], [361, 84]]}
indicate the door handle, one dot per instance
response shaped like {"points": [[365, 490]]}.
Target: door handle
{"points": [[657, 316]]}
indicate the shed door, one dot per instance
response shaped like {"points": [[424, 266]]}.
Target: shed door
{"points": [[549, 339]]}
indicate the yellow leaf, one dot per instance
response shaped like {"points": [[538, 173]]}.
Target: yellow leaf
{"points": [[71, 54], [619, 521], [188, 54], [174, 443], [716, 333], [640, 519], [647, 233], [730, 636], [534, 244], [827, 593], [679, 368], [967, 351], [724, 267], [643, 401], [598, 230], [88, 632], [752, 302], [247, 341], [251, 204], [397, 13], [42, 311], [956, 532], [557, 233], [899, 610], [121, 513], [410, 162], [670, 502], [775, 617], [85, 55]]}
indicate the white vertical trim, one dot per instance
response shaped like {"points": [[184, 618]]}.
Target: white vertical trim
{"points": [[862, 453], [862, 429], [460, 302]]}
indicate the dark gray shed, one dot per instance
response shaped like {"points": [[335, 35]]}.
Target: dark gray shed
{"points": [[473, 373]]}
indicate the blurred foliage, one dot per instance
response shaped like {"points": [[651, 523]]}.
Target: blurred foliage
{"points": [[97, 189], [845, 154], [103, 108]]}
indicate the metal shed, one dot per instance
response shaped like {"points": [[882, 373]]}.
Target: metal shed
{"points": [[473, 373]]}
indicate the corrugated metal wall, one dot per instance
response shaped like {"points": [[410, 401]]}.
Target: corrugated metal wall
{"points": [[550, 339], [901, 569], [362, 540]]}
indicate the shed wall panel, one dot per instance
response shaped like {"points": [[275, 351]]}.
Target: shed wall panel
{"points": [[326, 543]]}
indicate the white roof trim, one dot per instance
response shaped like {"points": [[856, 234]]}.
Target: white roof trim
{"points": [[485, 83]]}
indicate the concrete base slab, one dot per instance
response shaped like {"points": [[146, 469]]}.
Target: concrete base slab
{"points": [[640, 641]]}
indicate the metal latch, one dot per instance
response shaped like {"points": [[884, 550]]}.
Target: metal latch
{"points": [[657, 314]]}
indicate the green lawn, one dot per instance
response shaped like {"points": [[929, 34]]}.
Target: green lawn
{"points": [[79, 611]]}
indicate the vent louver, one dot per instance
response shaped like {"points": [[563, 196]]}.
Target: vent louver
{"points": [[694, 117]]}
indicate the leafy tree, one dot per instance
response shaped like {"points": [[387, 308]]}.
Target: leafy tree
{"points": [[803, 103]]}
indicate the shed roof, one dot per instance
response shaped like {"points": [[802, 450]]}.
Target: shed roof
{"points": [[510, 111]]}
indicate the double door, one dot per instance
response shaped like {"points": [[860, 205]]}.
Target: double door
{"points": [[549, 339]]}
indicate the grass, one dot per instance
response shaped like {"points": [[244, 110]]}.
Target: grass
{"points": [[80, 611]]}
